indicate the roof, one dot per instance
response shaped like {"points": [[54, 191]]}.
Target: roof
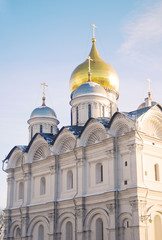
{"points": [[21, 147], [89, 88], [43, 111], [137, 113]]}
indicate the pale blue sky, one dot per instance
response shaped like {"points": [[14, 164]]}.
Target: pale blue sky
{"points": [[45, 41]]}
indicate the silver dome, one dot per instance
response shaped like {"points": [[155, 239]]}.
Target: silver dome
{"points": [[43, 111], [89, 88]]}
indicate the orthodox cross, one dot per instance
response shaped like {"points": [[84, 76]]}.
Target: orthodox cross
{"points": [[93, 25], [89, 67], [149, 88], [44, 85]]}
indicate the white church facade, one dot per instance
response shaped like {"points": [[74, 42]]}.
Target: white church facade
{"points": [[99, 178]]}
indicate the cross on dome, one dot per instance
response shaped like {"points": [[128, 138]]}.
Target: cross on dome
{"points": [[43, 98], [89, 67], [149, 88], [94, 26]]}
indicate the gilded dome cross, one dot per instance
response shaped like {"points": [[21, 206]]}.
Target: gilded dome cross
{"points": [[93, 25], [89, 67]]}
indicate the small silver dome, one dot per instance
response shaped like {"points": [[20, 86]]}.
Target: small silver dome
{"points": [[43, 111], [144, 104], [89, 88]]}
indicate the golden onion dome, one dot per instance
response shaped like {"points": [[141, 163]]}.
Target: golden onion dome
{"points": [[101, 72]]}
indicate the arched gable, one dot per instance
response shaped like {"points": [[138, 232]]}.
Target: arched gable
{"points": [[121, 124], [15, 158], [93, 132], [150, 122], [64, 142], [38, 150]]}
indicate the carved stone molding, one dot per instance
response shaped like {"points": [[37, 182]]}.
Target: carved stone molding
{"points": [[51, 216], [80, 212], [134, 204], [131, 148], [25, 220], [10, 179], [110, 207], [110, 153], [27, 175], [52, 169]]}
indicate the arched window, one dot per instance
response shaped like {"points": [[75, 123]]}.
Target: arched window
{"points": [[89, 111], [41, 128], [99, 173], [18, 232], [99, 229], [77, 115], [127, 232], [157, 175], [157, 227], [52, 129], [21, 190], [41, 232], [42, 186], [69, 180], [69, 231]]}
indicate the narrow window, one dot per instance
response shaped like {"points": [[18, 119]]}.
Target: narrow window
{"points": [[21, 190], [69, 231], [99, 173], [157, 175], [41, 232], [42, 186], [103, 111], [126, 164], [52, 129], [18, 233], [41, 128], [69, 180], [31, 132], [125, 182], [127, 224], [99, 229], [89, 110], [77, 115]]}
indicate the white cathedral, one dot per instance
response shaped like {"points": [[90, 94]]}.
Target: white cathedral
{"points": [[99, 178]]}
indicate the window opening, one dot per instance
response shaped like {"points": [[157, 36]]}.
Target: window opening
{"points": [[156, 169], [69, 231], [89, 110], [99, 173], [41, 128], [52, 129], [77, 115], [21, 190], [99, 229], [42, 186], [69, 180], [41, 232]]}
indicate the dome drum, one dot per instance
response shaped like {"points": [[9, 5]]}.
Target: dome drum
{"points": [[42, 120]]}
